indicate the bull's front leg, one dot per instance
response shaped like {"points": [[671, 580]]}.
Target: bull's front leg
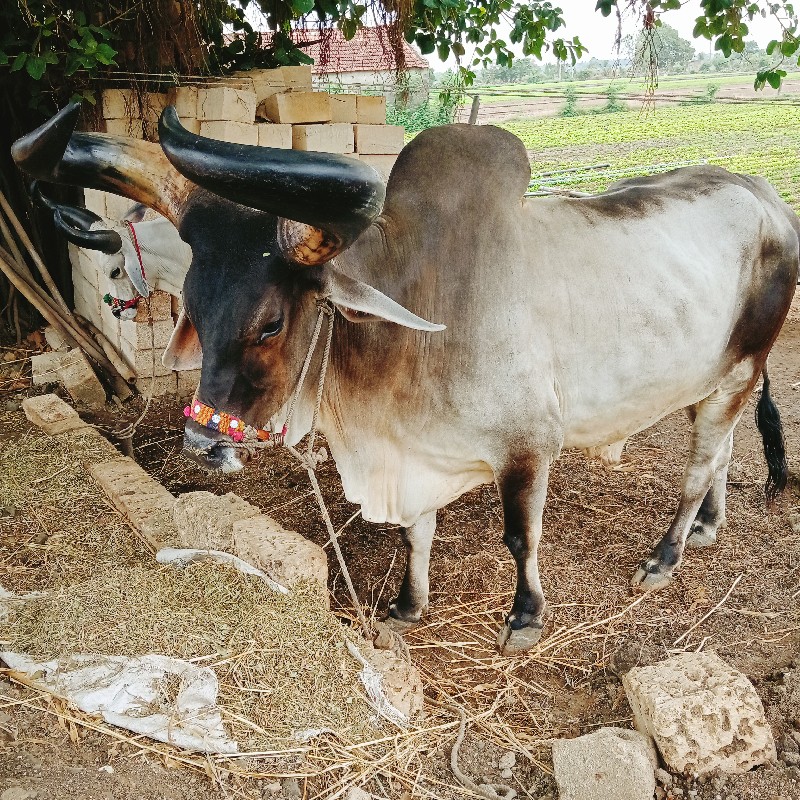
{"points": [[523, 489], [411, 602]]}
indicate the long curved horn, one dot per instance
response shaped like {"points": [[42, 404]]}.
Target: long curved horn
{"points": [[324, 201], [128, 167], [76, 223]]}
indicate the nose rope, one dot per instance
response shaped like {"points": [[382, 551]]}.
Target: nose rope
{"points": [[251, 439]]}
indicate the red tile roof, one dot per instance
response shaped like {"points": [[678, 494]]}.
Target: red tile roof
{"points": [[370, 50]]}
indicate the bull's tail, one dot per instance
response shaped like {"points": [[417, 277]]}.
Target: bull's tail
{"points": [[768, 420]]}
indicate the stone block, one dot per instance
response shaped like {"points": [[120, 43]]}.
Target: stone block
{"points": [[50, 413], [284, 555], [89, 270], [206, 521], [297, 79], [184, 98], [158, 385], [117, 206], [109, 324], [55, 339], [265, 82], [155, 308], [192, 125], [379, 139], [144, 363], [139, 335], [702, 714], [370, 110], [154, 104], [176, 304], [401, 681], [95, 201], [130, 127], [344, 108], [80, 380], [145, 503], [87, 299], [119, 104], [188, 381], [333, 137], [162, 333], [274, 135], [223, 103], [383, 165], [297, 108], [609, 764], [44, 368], [234, 132]]}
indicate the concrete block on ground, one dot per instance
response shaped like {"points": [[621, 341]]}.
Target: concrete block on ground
{"points": [[703, 715], [274, 135], [119, 104], [184, 98], [297, 108], [234, 132], [223, 103], [95, 201], [379, 139], [206, 521], [55, 339], [401, 681], [344, 108], [383, 165], [44, 368], [370, 110], [80, 381], [297, 79], [130, 127], [188, 381], [157, 307], [50, 413], [333, 137], [609, 764], [284, 555], [143, 501]]}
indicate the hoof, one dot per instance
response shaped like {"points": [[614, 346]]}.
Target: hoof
{"points": [[400, 623], [646, 581], [511, 642], [701, 536]]}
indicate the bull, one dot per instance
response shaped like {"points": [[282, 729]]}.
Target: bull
{"points": [[134, 260], [570, 322]]}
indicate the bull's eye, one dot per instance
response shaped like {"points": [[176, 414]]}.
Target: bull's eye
{"points": [[271, 330], [115, 273]]}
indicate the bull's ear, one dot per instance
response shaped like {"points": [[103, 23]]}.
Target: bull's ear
{"points": [[133, 269], [360, 302], [183, 350]]}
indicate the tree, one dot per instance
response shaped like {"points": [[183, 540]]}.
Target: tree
{"points": [[663, 46]]}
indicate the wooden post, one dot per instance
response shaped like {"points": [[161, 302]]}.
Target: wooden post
{"points": [[473, 114]]}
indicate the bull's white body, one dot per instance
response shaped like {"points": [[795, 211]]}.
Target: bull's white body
{"points": [[165, 256]]}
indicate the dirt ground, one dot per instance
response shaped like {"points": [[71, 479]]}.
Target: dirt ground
{"points": [[598, 526]]}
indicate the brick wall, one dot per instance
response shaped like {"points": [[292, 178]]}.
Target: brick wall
{"points": [[272, 108]]}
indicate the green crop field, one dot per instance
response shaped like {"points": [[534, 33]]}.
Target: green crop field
{"points": [[760, 138]]}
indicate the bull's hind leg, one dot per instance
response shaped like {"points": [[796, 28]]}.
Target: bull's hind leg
{"points": [[711, 515], [523, 489], [709, 454], [411, 602]]}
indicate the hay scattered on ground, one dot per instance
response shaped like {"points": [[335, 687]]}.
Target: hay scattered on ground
{"points": [[281, 660]]}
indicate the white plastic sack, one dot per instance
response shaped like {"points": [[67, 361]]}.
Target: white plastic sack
{"points": [[130, 693]]}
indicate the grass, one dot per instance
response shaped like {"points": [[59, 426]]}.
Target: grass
{"points": [[756, 138]]}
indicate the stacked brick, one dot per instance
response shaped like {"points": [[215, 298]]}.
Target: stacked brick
{"points": [[271, 108]]}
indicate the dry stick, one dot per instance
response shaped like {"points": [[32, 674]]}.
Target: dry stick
{"points": [[43, 304], [121, 389], [35, 257], [15, 251], [713, 610]]}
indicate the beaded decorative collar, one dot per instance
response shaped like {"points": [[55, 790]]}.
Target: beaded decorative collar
{"points": [[234, 427]]}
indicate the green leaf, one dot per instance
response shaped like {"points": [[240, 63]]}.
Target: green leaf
{"points": [[19, 62], [35, 67], [301, 7]]}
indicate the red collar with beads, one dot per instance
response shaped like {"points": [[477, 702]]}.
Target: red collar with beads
{"points": [[223, 422]]}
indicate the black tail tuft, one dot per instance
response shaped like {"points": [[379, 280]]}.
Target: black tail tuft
{"points": [[768, 420]]}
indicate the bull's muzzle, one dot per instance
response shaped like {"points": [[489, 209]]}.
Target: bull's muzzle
{"points": [[212, 450]]}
